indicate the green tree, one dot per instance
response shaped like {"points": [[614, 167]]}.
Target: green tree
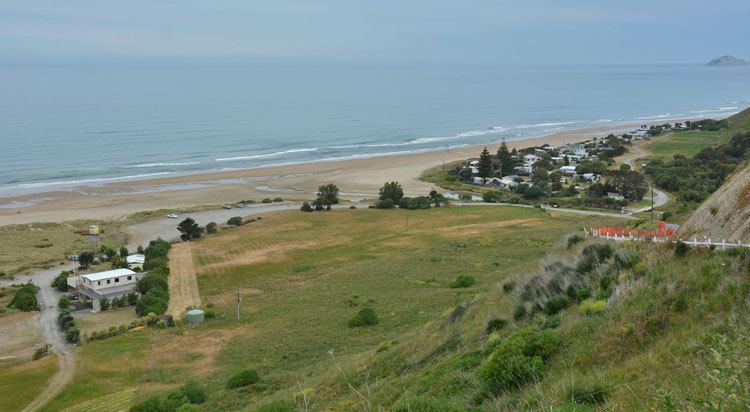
{"points": [[86, 259], [630, 184], [306, 207], [485, 164], [124, 252], [505, 159], [104, 304], [540, 177], [235, 221], [327, 195], [189, 229], [392, 191], [211, 228]]}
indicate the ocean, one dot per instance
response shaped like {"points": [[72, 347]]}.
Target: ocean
{"points": [[63, 126]]}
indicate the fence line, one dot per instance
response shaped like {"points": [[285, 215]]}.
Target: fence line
{"points": [[656, 239]]}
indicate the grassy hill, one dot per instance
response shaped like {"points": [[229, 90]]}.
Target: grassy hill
{"points": [[625, 327]]}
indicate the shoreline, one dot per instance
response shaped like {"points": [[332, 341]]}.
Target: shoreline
{"points": [[358, 179]]}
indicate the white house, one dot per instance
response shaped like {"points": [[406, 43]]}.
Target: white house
{"points": [[591, 177], [568, 170], [109, 284], [135, 261], [478, 180], [615, 196], [474, 170], [530, 158]]}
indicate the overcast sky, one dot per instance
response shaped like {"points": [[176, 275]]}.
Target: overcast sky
{"points": [[378, 31]]}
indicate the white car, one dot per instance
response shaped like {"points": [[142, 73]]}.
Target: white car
{"points": [[172, 216], [239, 206], [227, 206]]}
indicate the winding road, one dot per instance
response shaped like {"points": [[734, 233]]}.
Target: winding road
{"points": [[660, 198], [51, 332]]}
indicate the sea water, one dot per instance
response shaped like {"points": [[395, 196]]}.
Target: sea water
{"points": [[61, 126]]}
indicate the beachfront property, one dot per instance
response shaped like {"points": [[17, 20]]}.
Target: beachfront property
{"points": [[109, 284]]}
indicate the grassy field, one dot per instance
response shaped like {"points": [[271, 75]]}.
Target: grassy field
{"points": [[302, 277], [686, 143], [22, 383], [36, 245], [670, 335]]}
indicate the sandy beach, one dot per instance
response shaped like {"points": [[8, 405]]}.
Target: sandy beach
{"points": [[358, 179]]}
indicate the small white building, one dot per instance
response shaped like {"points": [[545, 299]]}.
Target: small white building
{"points": [[568, 170], [615, 196], [135, 261], [109, 284], [530, 158]]}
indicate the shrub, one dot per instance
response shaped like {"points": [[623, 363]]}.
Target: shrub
{"points": [[25, 298], [352, 207], [153, 281], [555, 304], [681, 250], [41, 352], [518, 359], [154, 301], [73, 335], [63, 302], [194, 392], [277, 199], [714, 210], [306, 207], [593, 395], [365, 317], [574, 240], [385, 204], [243, 378], [266, 200], [153, 404], [462, 281], [188, 407], [61, 281], [496, 324], [509, 286], [104, 304], [277, 406], [519, 312], [592, 307], [235, 221], [211, 228], [132, 298]]}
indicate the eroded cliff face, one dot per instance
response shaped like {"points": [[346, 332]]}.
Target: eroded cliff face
{"points": [[726, 213]]}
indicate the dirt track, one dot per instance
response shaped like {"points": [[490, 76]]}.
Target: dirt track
{"points": [[183, 285]]}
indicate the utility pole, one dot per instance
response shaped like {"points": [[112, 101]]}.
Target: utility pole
{"points": [[238, 305]]}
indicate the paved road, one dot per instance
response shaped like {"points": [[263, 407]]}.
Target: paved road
{"points": [[51, 332], [660, 197], [557, 209]]}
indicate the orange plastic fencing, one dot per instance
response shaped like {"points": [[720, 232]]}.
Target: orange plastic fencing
{"points": [[663, 231]]}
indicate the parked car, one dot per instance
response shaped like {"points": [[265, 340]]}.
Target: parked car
{"points": [[239, 206], [172, 216], [227, 206]]}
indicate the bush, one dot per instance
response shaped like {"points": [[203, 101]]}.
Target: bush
{"points": [[594, 395], [462, 281], [681, 250], [385, 204], [509, 286], [243, 378], [154, 301], [365, 317], [266, 200], [574, 240], [495, 325], [104, 304], [277, 199], [63, 302], [132, 298], [519, 312], [152, 281], [152, 404], [306, 207], [277, 406], [555, 304], [188, 407], [518, 359], [25, 298], [73, 335], [61, 281], [235, 221], [592, 307], [352, 207], [194, 392], [211, 228]]}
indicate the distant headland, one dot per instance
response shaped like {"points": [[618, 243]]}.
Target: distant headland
{"points": [[728, 61]]}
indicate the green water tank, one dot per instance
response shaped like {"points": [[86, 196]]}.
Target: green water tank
{"points": [[195, 316]]}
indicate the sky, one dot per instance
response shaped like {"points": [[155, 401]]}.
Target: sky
{"points": [[91, 32]]}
